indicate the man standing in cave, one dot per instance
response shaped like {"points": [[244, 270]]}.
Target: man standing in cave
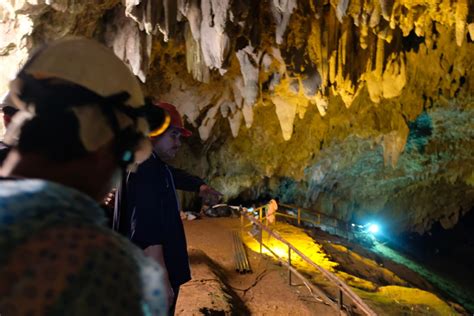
{"points": [[151, 206]]}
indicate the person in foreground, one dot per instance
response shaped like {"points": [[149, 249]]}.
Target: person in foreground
{"points": [[75, 133], [152, 207], [8, 112]]}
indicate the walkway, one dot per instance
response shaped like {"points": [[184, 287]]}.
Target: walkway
{"points": [[263, 292]]}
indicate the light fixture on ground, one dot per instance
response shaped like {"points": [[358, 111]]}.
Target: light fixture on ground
{"points": [[373, 228]]}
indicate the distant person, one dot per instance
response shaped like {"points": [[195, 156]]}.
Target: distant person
{"points": [[153, 218], [8, 111], [271, 209], [81, 123]]}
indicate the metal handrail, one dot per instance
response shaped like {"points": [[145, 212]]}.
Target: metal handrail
{"points": [[343, 288], [345, 226], [312, 211]]}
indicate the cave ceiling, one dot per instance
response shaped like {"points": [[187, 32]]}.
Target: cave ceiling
{"points": [[360, 109]]}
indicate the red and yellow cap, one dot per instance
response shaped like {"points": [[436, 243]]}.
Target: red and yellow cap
{"points": [[174, 120]]}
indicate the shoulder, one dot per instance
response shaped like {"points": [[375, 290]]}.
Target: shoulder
{"points": [[77, 263]]}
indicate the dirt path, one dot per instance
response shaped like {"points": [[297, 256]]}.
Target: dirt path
{"points": [[217, 289]]}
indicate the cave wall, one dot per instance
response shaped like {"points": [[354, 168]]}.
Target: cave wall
{"points": [[360, 109]]}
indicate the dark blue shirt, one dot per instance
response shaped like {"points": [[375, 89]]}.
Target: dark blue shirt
{"points": [[153, 212]]}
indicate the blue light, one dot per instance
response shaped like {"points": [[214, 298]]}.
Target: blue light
{"points": [[373, 228]]}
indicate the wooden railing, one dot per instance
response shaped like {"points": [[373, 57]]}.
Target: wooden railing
{"points": [[343, 288], [338, 226]]}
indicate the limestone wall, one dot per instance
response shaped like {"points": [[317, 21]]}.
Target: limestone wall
{"points": [[358, 108]]}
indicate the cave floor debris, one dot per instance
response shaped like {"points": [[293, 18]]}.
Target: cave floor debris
{"points": [[263, 292], [390, 288]]}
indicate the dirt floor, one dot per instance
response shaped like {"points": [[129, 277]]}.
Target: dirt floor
{"points": [[217, 289]]}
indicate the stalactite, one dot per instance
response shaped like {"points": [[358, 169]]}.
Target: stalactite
{"points": [[375, 16], [461, 15], [322, 103], [208, 123], [235, 121], [129, 44], [311, 81], [393, 145], [154, 16], [386, 7], [364, 31], [341, 9], [192, 11], [215, 42], [282, 10], [406, 22], [379, 57], [286, 113], [194, 60], [247, 111], [315, 60], [249, 67]]}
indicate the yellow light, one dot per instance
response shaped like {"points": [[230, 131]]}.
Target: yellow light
{"points": [[160, 130]]}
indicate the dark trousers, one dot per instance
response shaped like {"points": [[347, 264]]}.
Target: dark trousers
{"points": [[173, 306]]}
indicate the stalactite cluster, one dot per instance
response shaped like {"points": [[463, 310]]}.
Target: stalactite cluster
{"points": [[330, 48], [315, 101]]}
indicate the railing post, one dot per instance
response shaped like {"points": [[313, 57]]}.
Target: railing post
{"points": [[241, 224], [340, 303], [299, 216], [260, 214], [261, 239], [289, 265]]}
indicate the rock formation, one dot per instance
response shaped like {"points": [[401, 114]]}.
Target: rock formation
{"points": [[358, 108]]}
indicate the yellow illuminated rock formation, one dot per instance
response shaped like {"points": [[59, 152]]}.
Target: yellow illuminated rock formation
{"points": [[354, 107]]}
